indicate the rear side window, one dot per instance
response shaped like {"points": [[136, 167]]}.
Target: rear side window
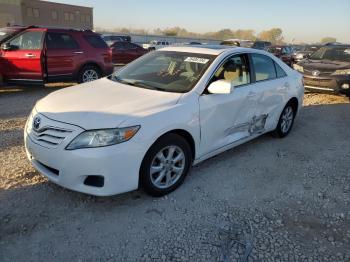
{"points": [[264, 67], [279, 71], [60, 41], [95, 41], [31, 40]]}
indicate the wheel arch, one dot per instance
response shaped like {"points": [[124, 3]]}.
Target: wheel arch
{"points": [[294, 102]]}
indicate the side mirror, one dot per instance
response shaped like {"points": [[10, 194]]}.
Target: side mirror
{"points": [[221, 87], [6, 47]]}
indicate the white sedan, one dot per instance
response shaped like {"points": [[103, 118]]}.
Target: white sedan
{"points": [[147, 124]]}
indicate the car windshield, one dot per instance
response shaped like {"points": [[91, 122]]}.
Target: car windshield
{"points": [[165, 71], [5, 32], [332, 53]]}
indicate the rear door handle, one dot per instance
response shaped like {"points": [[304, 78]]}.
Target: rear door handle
{"points": [[78, 52], [29, 55]]}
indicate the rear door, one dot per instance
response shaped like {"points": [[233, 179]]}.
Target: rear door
{"points": [[271, 83], [62, 54], [24, 59]]}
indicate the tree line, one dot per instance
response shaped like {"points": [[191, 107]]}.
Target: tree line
{"points": [[273, 35]]}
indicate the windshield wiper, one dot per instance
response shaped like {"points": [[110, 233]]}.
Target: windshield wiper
{"points": [[138, 83]]}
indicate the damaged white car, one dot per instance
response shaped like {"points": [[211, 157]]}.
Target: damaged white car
{"points": [[147, 124]]}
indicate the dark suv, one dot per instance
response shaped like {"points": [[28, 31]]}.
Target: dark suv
{"points": [[283, 52], [40, 55], [327, 69]]}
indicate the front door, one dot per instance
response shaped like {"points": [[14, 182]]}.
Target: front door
{"points": [[227, 118], [23, 61]]}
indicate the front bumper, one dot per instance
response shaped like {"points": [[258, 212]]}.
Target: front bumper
{"points": [[327, 84], [118, 164]]}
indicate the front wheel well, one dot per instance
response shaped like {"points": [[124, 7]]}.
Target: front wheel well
{"points": [[187, 136]]}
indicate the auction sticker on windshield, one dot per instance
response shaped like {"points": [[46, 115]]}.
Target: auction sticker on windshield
{"points": [[196, 60]]}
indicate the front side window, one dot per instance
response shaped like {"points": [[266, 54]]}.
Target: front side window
{"points": [[165, 71], [234, 70], [31, 40], [264, 67], [60, 41]]}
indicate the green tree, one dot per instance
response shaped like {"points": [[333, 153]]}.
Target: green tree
{"points": [[274, 35], [328, 39]]}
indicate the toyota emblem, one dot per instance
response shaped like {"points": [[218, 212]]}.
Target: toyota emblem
{"points": [[36, 123], [315, 73]]}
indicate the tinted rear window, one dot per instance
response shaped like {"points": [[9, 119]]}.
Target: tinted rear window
{"points": [[95, 41]]}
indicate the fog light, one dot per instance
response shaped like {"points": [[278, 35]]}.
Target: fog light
{"points": [[345, 86]]}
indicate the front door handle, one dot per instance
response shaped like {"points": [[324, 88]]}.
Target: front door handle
{"points": [[29, 55], [286, 84], [78, 52]]}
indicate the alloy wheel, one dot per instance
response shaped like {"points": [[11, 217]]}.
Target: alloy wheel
{"points": [[287, 119], [167, 167]]}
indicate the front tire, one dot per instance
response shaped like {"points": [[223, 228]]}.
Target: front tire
{"points": [[286, 121], [165, 165]]}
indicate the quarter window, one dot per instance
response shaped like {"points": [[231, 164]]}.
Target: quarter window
{"points": [[264, 67], [279, 71], [95, 41], [27, 41], [235, 70]]}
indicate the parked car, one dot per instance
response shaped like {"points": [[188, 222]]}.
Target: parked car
{"points": [[125, 52], [283, 52], [111, 39], [304, 51], [39, 55], [262, 45], [327, 70], [154, 45], [8, 32], [149, 122], [237, 42]]}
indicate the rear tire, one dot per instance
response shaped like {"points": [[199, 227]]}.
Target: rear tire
{"points": [[165, 165], [89, 73], [286, 121]]}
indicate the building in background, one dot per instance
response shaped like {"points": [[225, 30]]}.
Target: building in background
{"points": [[44, 13]]}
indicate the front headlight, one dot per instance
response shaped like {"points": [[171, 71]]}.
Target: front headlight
{"points": [[300, 56], [342, 72], [298, 68], [103, 137]]}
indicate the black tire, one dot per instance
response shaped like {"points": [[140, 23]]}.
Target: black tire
{"points": [[86, 69], [280, 131], [163, 142]]}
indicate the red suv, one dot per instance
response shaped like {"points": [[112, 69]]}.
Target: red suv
{"points": [[41, 55]]}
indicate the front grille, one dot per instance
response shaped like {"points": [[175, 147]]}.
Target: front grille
{"points": [[322, 73], [50, 136], [318, 82]]}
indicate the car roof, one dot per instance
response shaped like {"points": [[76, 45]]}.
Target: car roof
{"points": [[201, 49]]}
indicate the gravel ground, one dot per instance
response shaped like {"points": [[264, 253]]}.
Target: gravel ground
{"points": [[267, 200]]}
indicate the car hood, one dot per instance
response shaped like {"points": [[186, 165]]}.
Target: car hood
{"points": [[324, 65], [103, 104]]}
